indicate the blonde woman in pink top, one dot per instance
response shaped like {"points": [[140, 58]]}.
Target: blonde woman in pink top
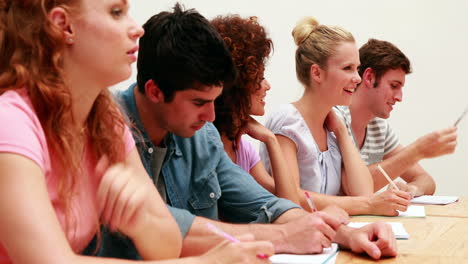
{"points": [[67, 160]]}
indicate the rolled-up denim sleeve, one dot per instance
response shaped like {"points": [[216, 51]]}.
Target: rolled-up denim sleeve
{"points": [[243, 200], [183, 218]]}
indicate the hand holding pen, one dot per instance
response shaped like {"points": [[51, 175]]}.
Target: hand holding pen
{"points": [[266, 246]]}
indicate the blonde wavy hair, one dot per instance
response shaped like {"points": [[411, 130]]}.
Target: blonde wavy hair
{"points": [[32, 58], [315, 44]]}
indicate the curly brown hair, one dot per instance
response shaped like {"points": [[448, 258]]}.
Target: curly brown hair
{"points": [[32, 58], [250, 47]]}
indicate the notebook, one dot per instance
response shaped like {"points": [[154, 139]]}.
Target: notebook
{"points": [[328, 256], [433, 199], [397, 227], [413, 211]]}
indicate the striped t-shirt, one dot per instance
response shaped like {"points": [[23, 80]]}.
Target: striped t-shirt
{"points": [[379, 139]]}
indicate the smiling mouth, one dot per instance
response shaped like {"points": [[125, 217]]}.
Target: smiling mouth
{"points": [[349, 90]]}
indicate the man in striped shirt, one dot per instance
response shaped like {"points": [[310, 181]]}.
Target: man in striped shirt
{"points": [[383, 70]]}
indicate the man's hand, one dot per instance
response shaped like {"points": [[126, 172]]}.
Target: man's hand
{"points": [[309, 234], [437, 143], [376, 239], [246, 251], [337, 212]]}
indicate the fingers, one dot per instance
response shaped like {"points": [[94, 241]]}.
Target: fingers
{"points": [[261, 250], [363, 241], [109, 190], [386, 241], [101, 166], [389, 201], [371, 249], [118, 196], [105, 187], [337, 212], [332, 221]]}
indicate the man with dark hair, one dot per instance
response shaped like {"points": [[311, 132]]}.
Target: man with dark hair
{"points": [[383, 70], [183, 65]]}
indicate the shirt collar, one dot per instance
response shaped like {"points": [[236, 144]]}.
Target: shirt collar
{"points": [[127, 100]]}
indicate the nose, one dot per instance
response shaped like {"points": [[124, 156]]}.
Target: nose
{"points": [[266, 85], [136, 31], [356, 78], [208, 113], [398, 96]]}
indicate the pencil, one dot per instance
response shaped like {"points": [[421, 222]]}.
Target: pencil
{"points": [[461, 117], [216, 230], [309, 201], [387, 177]]}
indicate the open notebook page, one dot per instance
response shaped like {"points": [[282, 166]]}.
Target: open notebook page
{"points": [[397, 227], [328, 256]]}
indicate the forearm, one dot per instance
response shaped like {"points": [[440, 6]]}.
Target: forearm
{"points": [[353, 205], [199, 239], [426, 185], [78, 259], [357, 180], [150, 245], [419, 181], [342, 236], [285, 186]]}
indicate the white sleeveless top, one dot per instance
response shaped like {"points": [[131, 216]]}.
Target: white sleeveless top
{"points": [[319, 171]]}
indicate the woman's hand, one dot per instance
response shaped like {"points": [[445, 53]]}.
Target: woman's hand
{"points": [[124, 200]]}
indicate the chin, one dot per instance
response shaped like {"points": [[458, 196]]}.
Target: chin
{"points": [[186, 133], [384, 115]]}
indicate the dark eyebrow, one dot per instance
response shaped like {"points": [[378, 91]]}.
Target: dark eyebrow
{"points": [[397, 82], [202, 101]]}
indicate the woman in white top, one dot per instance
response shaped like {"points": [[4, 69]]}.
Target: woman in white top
{"points": [[317, 147]]}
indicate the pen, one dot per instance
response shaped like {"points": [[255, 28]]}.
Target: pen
{"points": [[461, 117], [216, 230], [387, 177], [309, 201]]}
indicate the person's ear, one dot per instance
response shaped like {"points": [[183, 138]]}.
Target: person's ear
{"points": [[60, 18], [316, 73], [153, 92], [368, 77]]}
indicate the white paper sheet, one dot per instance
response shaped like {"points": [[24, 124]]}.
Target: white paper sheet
{"points": [[397, 227], [434, 199], [328, 256]]}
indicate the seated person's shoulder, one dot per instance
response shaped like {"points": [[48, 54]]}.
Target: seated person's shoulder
{"points": [[285, 118], [16, 106]]}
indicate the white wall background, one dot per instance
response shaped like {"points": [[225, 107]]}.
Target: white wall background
{"points": [[433, 34]]}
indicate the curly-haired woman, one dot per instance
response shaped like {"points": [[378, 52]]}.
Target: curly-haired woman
{"points": [[68, 162], [250, 47]]}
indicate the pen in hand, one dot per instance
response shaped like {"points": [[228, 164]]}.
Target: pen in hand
{"points": [[216, 230], [309, 201], [461, 117], [387, 177]]}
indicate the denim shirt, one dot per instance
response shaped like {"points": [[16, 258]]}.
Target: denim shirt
{"points": [[201, 180]]}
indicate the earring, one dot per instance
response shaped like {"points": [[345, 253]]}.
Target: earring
{"points": [[70, 40]]}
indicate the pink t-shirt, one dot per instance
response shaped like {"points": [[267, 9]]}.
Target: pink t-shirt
{"points": [[22, 134], [246, 155]]}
